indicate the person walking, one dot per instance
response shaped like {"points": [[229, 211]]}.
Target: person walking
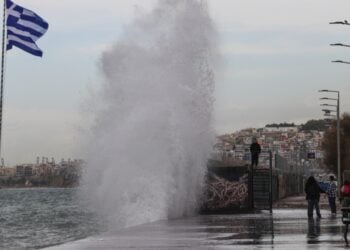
{"points": [[313, 190], [332, 194], [255, 150], [345, 194], [345, 203]]}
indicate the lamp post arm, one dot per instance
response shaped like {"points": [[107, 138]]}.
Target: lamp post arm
{"points": [[340, 61], [339, 44], [345, 22]]}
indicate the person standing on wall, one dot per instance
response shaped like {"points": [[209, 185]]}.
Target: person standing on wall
{"points": [[255, 150], [332, 194]]}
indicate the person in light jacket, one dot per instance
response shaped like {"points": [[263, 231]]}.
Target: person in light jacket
{"points": [[332, 194]]}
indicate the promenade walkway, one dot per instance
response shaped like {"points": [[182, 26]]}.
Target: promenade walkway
{"points": [[299, 201], [285, 228]]}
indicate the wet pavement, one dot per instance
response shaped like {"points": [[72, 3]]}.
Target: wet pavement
{"points": [[284, 229], [299, 201]]}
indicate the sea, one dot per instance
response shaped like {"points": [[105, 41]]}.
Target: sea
{"points": [[35, 218]]}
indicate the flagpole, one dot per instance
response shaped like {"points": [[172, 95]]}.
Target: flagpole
{"points": [[2, 70]]}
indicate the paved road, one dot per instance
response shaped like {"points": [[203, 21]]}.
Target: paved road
{"points": [[284, 229]]}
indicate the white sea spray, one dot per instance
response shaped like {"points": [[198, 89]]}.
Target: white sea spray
{"points": [[152, 117]]}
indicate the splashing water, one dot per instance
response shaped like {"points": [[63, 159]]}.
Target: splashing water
{"points": [[152, 129]]}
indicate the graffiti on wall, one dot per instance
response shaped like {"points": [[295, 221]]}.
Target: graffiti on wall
{"points": [[223, 193]]}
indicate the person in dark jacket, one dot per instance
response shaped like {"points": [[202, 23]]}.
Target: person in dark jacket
{"points": [[313, 190], [255, 150]]}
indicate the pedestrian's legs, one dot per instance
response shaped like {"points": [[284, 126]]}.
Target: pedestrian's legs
{"points": [[317, 207], [255, 160], [310, 208], [332, 204], [346, 233]]}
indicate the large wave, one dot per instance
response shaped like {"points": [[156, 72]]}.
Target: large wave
{"points": [[152, 121]]}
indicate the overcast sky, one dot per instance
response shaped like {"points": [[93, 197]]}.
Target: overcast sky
{"points": [[276, 55]]}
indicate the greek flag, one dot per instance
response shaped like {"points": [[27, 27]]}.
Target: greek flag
{"points": [[24, 27]]}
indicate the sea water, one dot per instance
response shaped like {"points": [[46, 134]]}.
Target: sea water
{"points": [[39, 217]]}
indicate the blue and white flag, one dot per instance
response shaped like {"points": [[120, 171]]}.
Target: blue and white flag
{"points": [[24, 27]]}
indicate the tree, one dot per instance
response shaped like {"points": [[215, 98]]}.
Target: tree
{"points": [[282, 124], [319, 125], [329, 145]]}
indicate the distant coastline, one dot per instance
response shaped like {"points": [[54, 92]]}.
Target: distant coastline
{"points": [[48, 174]]}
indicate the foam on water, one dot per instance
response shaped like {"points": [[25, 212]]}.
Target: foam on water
{"points": [[152, 134]]}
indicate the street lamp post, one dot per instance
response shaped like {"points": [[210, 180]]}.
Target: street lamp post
{"points": [[327, 111]]}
